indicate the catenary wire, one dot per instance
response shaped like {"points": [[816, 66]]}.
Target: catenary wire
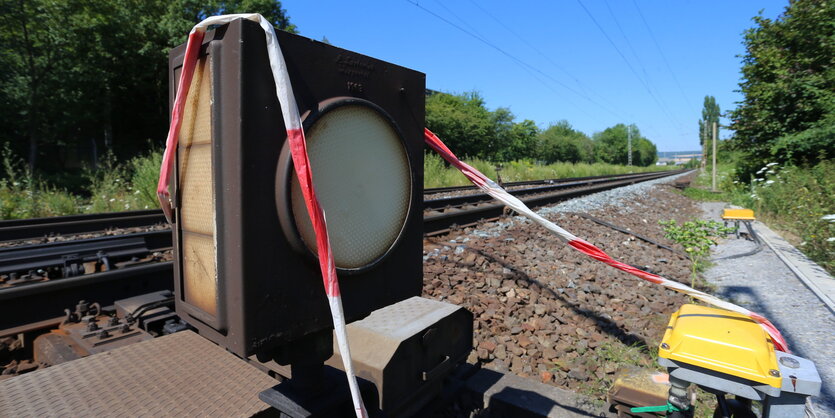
{"points": [[548, 58], [513, 58], [641, 64], [628, 64], [664, 57]]}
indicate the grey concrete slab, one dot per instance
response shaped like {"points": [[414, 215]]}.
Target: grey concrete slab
{"points": [[821, 283]]}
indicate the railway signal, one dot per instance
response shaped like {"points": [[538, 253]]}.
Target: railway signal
{"points": [[247, 276]]}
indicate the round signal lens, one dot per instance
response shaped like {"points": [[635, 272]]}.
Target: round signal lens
{"points": [[363, 180]]}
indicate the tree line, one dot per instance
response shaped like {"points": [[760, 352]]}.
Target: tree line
{"points": [[470, 129], [82, 77], [85, 78], [787, 114]]}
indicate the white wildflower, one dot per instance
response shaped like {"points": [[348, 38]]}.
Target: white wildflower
{"points": [[769, 182], [830, 218], [830, 239], [112, 200]]}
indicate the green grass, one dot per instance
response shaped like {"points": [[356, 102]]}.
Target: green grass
{"points": [[23, 195], [131, 185], [436, 173], [111, 187], [705, 195]]}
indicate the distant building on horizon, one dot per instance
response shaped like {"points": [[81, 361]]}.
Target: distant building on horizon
{"points": [[677, 157]]}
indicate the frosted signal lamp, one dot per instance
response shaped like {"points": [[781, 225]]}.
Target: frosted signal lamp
{"points": [[363, 181]]}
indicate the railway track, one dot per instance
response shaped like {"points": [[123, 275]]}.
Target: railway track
{"points": [[38, 280], [515, 184], [23, 229], [441, 215]]}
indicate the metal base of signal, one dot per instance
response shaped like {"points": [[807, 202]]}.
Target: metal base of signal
{"points": [[401, 353], [318, 392]]}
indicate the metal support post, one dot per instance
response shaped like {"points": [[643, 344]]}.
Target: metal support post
{"points": [[714, 156]]}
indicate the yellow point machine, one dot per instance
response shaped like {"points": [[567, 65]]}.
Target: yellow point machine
{"points": [[725, 352], [746, 216]]}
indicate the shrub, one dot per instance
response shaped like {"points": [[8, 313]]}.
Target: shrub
{"points": [[696, 237], [23, 195], [802, 201], [437, 173]]}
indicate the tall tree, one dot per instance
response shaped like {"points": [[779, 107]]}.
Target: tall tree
{"points": [[472, 130], [710, 115], [79, 74], [610, 146], [523, 143], [462, 120], [788, 86], [561, 142]]}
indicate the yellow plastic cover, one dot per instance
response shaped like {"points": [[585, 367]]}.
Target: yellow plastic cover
{"points": [[738, 214], [722, 341]]}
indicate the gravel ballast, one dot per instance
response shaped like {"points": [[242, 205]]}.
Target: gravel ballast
{"points": [[547, 312]]}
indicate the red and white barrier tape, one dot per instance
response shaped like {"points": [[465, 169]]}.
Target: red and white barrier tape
{"points": [[587, 248], [301, 163]]}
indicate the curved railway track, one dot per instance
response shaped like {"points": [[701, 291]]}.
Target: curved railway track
{"points": [[37, 279]]}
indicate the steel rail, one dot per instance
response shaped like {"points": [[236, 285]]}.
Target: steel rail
{"points": [[46, 300], [435, 204], [43, 301], [436, 190], [436, 223], [22, 229], [35, 228], [56, 254]]}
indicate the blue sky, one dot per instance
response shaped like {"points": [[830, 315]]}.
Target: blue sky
{"points": [[548, 60]]}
